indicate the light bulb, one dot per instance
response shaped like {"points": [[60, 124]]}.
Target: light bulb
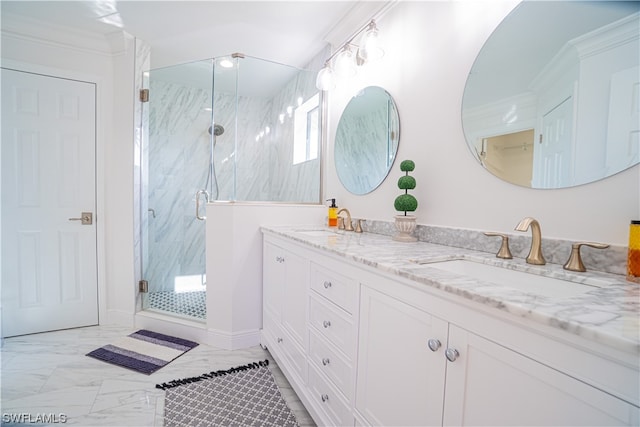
{"points": [[344, 63], [226, 63], [370, 48], [325, 79]]}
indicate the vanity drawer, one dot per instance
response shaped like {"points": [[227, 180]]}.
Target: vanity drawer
{"points": [[331, 363], [336, 288], [285, 347], [325, 397], [333, 324]]}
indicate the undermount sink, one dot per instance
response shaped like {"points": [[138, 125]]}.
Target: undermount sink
{"points": [[317, 233], [528, 282]]}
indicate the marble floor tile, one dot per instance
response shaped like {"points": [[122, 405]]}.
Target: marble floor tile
{"points": [[49, 374]]}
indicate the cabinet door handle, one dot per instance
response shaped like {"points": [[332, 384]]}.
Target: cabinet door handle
{"points": [[279, 259], [279, 339], [326, 323], [324, 397], [434, 344], [327, 285], [451, 354], [325, 361]]}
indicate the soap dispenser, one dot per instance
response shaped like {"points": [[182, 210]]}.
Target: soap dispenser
{"points": [[333, 213]]}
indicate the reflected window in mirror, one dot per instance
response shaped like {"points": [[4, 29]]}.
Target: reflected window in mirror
{"points": [[367, 140], [557, 108]]}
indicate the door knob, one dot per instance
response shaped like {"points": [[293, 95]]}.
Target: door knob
{"points": [[86, 218]]}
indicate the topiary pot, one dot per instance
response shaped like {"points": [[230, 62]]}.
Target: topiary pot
{"points": [[405, 224]]}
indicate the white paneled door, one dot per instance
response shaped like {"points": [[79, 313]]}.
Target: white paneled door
{"points": [[49, 266]]}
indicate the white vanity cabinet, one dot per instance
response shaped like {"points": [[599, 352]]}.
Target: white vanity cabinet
{"points": [[365, 347], [417, 369], [488, 384], [400, 380], [285, 284]]}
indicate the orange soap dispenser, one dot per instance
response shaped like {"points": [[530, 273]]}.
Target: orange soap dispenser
{"points": [[333, 213]]}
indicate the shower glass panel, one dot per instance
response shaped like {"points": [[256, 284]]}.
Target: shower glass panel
{"points": [[175, 167], [270, 149], [240, 129]]}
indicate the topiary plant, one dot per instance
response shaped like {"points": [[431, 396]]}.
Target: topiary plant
{"points": [[406, 202]]}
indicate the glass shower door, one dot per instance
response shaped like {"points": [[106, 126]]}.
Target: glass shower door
{"points": [[175, 166]]}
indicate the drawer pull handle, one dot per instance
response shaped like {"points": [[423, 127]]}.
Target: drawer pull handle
{"points": [[434, 344], [327, 285], [279, 339], [280, 259], [324, 397], [451, 354], [326, 323], [325, 361]]}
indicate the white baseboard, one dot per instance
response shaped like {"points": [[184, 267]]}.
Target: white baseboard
{"points": [[234, 340], [197, 331]]}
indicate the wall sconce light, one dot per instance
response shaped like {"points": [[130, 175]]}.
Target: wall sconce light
{"points": [[370, 48], [345, 61]]}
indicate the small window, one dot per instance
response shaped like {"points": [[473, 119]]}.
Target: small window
{"points": [[306, 130]]}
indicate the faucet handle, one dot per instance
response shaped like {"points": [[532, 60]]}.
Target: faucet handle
{"points": [[574, 263], [504, 251], [359, 225], [340, 223]]}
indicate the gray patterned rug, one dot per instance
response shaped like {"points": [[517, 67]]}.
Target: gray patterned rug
{"points": [[242, 396]]}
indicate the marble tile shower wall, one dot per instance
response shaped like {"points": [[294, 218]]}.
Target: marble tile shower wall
{"points": [[178, 161], [247, 168], [299, 183]]}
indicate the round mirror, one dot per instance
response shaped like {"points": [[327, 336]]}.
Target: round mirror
{"points": [[367, 140], [552, 99]]}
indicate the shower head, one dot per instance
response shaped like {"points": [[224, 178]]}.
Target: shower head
{"points": [[216, 129]]}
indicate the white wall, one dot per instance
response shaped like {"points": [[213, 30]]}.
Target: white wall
{"points": [[430, 48], [234, 254]]}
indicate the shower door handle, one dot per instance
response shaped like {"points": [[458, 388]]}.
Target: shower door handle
{"points": [[206, 197]]}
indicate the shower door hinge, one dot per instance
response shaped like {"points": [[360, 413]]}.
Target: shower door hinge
{"points": [[144, 95], [143, 286]]}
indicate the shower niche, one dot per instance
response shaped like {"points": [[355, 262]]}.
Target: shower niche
{"points": [[233, 128]]}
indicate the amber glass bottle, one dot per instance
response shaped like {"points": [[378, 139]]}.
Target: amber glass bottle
{"points": [[633, 259]]}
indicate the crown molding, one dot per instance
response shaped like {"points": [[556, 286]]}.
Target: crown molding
{"points": [[610, 36], [23, 28]]}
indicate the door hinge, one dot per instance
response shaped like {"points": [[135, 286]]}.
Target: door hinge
{"points": [[144, 95], [143, 286]]}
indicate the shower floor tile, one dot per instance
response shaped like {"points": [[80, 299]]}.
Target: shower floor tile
{"points": [[192, 304]]}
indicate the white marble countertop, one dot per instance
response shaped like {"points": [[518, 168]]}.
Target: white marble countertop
{"points": [[608, 314]]}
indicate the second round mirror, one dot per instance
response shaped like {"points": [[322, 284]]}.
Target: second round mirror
{"points": [[367, 140]]}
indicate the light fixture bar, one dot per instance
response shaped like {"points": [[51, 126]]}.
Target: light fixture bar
{"points": [[326, 76]]}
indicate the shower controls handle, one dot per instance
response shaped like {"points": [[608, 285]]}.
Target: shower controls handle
{"points": [[206, 197]]}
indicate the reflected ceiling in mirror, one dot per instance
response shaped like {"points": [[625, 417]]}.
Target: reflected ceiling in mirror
{"points": [[552, 99], [367, 140]]}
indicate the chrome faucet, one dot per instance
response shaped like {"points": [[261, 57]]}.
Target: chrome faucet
{"points": [[347, 226], [535, 253]]}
